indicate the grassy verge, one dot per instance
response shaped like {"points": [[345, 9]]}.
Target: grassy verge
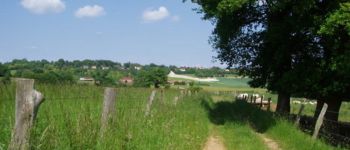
{"points": [[291, 138], [238, 120], [70, 119], [240, 136]]}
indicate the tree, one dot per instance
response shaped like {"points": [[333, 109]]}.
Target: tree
{"points": [[274, 42], [153, 76], [4, 74], [334, 75], [251, 35], [103, 78], [3, 70]]}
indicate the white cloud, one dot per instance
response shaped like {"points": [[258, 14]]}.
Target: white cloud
{"points": [[43, 6], [90, 11], [152, 15]]}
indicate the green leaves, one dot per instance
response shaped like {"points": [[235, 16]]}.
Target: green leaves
{"points": [[154, 76], [293, 46], [338, 19], [229, 6]]}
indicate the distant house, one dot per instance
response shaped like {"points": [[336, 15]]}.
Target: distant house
{"points": [[137, 68], [93, 67], [127, 80], [182, 69], [104, 68], [200, 67], [86, 80], [85, 67]]}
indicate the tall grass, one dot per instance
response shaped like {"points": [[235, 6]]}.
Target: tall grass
{"points": [[70, 119]]}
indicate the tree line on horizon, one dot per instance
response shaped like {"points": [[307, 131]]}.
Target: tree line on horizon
{"points": [[105, 72]]}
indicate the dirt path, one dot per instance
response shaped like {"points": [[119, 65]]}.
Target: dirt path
{"points": [[214, 143], [271, 144]]}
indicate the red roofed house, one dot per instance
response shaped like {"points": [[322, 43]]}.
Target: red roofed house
{"points": [[127, 80]]}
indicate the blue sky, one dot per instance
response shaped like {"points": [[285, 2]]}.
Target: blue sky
{"points": [[147, 31]]}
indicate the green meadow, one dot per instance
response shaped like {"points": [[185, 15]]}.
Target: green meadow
{"points": [[70, 118]]}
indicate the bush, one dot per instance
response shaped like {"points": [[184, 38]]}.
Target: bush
{"points": [[179, 83], [154, 76]]}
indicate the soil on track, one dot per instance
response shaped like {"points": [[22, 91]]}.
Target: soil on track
{"points": [[214, 143]]}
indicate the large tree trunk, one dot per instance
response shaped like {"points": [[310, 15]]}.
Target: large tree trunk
{"points": [[332, 110], [283, 103]]}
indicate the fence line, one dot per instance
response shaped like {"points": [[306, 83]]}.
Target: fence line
{"points": [[105, 112], [342, 136], [326, 130]]}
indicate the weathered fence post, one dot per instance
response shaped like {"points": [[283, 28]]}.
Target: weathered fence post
{"points": [[182, 94], [162, 95], [269, 103], [150, 101], [28, 102], [108, 109], [319, 121], [297, 120], [176, 98], [261, 101]]}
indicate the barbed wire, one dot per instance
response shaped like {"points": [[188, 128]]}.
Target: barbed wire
{"points": [[345, 138], [329, 131]]}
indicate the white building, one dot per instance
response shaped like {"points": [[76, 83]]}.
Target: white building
{"points": [[137, 68], [105, 68]]}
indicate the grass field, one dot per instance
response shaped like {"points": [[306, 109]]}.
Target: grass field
{"points": [[223, 82], [241, 85], [231, 82], [240, 123], [70, 119]]}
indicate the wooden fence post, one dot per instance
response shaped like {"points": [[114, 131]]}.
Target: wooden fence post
{"points": [[261, 101], [150, 101], [176, 98], [162, 95], [109, 108], [297, 120], [319, 121], [269, 104], [28, 102], [182, 94]]}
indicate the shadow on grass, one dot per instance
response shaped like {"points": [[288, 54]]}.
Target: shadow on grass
{"points": [[238, 111]]}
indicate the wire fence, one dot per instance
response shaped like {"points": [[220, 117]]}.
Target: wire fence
{"points": [[333, 131], [124, 103]]}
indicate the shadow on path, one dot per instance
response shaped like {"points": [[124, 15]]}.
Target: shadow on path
{"points": [[242, 112]]}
